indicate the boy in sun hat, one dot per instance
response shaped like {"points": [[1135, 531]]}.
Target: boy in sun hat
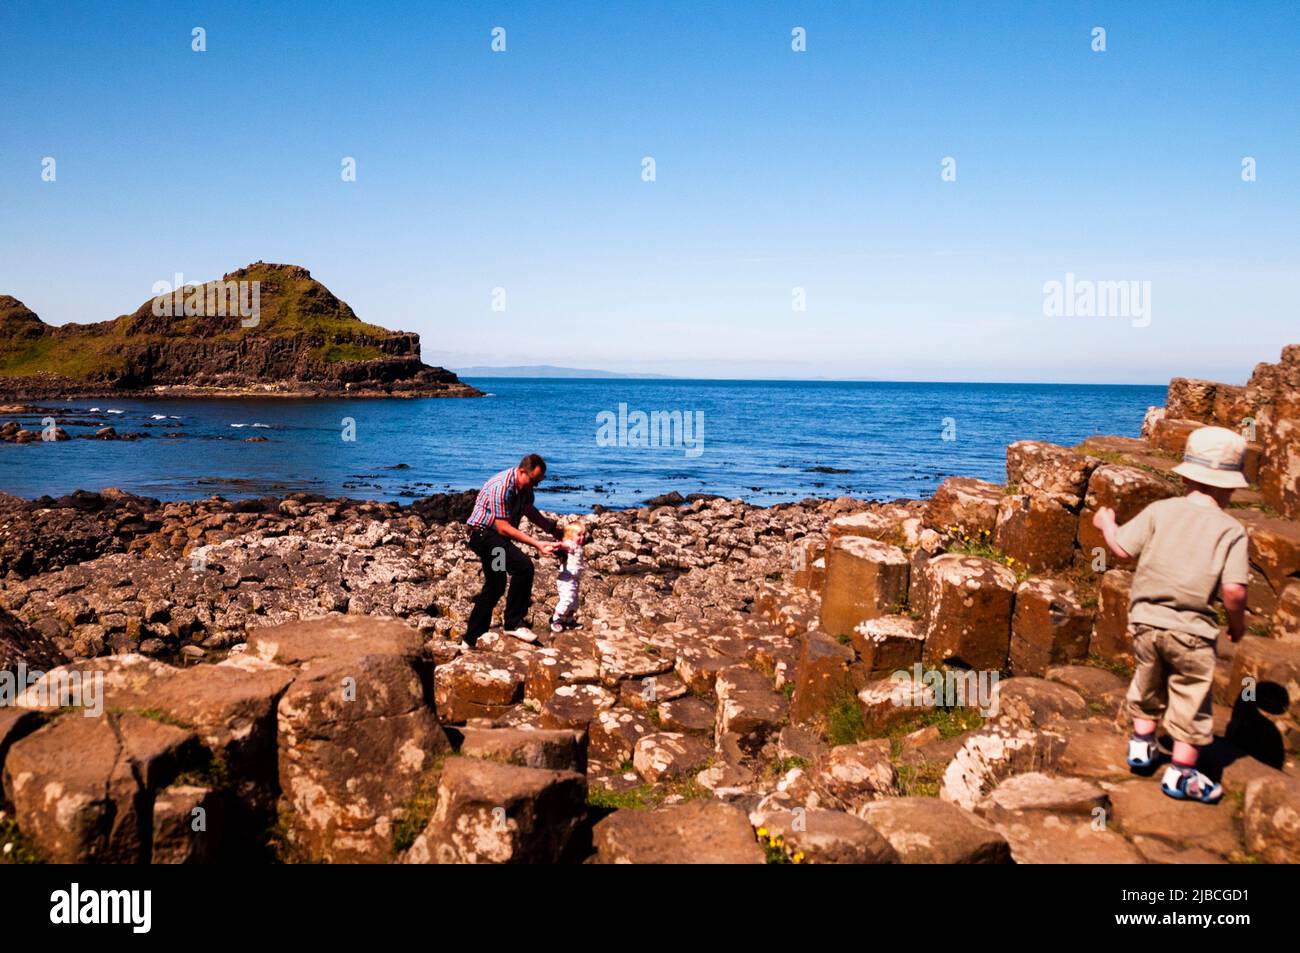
{"points": [[1188, 550]]}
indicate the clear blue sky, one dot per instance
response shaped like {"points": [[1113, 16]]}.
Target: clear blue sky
{"points": [[774, 170]]}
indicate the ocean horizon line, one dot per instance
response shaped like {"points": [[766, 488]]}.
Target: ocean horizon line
{"points": [[670, 379]]}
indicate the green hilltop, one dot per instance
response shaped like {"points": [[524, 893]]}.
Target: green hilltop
{"points": [[206, 336]]}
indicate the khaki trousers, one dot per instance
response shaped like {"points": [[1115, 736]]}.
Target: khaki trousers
{"points": [[1174, 675]]}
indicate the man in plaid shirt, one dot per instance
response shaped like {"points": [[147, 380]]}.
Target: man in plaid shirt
{"points": [[493, 531]]}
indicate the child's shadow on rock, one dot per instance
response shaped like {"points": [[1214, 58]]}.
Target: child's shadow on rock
{"points": [[1251, 732]]}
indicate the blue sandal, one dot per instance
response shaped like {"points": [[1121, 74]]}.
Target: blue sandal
{"points": [[1142, 755], [1191, 786]]}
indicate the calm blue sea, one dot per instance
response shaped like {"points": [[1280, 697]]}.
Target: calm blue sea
{"points": [[764, 441]]}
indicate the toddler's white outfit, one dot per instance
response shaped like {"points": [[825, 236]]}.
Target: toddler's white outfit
{"points": [[570, 579]]}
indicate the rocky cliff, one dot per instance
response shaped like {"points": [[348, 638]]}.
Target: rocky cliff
{"points": [[262, 330], [1266, 410]]}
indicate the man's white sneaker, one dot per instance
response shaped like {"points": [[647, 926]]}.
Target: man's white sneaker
{"points": [[523, 634]]}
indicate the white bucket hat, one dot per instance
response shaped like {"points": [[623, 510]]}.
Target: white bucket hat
{"points": [[1214, 456]]}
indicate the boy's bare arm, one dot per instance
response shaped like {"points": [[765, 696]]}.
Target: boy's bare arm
{"points": [[1104, 520], [1234, 606]]}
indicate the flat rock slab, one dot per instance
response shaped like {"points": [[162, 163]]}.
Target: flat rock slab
{"points": [[698, 667], [729, 781], [644, 693], [574, 706], [623, 656], [1036, 791], [1142, 810], [334, 637], [230, 706], [1092, 683], [614, 733], [552, 667], [740, 678], [478, 685], [797, 789], [887, 701], [668, 755], [934, 750], [883, 523], [537, 748], [697, 832], [1038, 837], [687, 714], [1156, 851], [926, 830], [1037, 701], [964, 506], [1093, 749]]}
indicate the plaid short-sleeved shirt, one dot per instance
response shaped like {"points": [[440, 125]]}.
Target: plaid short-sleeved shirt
{"points": [[500, 499]]}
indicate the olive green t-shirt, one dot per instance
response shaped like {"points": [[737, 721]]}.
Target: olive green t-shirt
{"points": [[1186, 549]]}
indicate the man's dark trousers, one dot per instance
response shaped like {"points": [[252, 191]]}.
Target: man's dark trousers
{"points": [[500, 558]]}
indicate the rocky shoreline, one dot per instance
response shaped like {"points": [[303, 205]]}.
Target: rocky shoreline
{"points": [[429, 382], [291, 667]]}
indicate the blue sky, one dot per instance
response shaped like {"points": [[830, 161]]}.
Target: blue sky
{"points": [[775, 170]]}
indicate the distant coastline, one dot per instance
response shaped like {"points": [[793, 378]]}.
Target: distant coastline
{"points": [[551, 372], [544, 371]]}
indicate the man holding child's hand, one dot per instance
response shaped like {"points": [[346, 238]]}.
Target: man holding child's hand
{"points": [[493, 532]]}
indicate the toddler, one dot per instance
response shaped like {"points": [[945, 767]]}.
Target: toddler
{"points": [[1188, 551], [570, 579]]}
